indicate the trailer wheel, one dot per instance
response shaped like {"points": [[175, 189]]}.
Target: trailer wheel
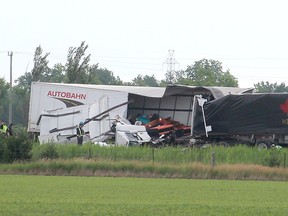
{"points": [[263, 144]]}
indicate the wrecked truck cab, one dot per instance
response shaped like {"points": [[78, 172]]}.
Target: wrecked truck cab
{"points": [[131, 135]]}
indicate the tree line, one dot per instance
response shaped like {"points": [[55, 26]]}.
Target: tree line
{"points": [[77, 69]]}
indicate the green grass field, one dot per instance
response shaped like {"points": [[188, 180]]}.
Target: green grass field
{"points": [[67, 195]]}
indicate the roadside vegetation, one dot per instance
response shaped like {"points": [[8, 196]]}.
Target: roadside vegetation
{"points": [[18, 155], [214, 155]]}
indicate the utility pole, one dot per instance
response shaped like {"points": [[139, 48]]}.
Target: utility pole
{"points": [[171, 62], [10, 90]]}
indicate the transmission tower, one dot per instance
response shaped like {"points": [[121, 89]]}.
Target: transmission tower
{"points": [[171, 62]]}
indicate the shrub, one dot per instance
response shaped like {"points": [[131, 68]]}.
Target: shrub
{"points": [[274, 158], [49, 151], [15, 148], [3, 149]]}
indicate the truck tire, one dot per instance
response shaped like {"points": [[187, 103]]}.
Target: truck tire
{"points": [[263, 144]]}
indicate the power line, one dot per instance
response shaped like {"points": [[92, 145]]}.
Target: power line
{"points": [[171, 53], [150, 63]]}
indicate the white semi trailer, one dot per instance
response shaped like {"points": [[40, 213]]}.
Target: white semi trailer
{"points": [[57, 108]]}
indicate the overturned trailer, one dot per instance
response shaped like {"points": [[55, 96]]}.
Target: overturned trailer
{"points": [[57, 108], [254, 119]]}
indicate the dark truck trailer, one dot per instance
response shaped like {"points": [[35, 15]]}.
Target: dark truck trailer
{"points": [[255, 119]]}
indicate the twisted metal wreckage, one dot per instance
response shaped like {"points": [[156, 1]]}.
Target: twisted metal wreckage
{"points": [[127, 115]]}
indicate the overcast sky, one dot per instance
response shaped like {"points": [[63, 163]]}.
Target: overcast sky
{"points": [[131, 37]]}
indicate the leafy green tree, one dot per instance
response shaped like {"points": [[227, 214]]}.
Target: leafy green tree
{"points": [[228, 80], [182, 78], [93, 76], [4, 99], [102, 76], [38, 72], [145, 81], [207, 73], [170, 77], [127, 83], [21, 97], [162, 83], [40, 64], [25, 80], [77, 65], [55, 74], [266, 87]]}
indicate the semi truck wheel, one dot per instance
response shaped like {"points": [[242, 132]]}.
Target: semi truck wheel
{"points": [[263, 144]]}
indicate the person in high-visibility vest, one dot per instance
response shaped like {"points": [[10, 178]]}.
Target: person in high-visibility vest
{"points": [[3, 128], [80, 133]]}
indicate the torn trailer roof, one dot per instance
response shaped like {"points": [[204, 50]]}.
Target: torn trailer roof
{"points": [[172, 89]]}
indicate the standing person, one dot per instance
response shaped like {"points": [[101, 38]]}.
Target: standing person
{"points": [[10, 130], [80, 133], [3, 128]]}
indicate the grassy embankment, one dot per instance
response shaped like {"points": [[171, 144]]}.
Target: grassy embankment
{"points": [[239, 162]]}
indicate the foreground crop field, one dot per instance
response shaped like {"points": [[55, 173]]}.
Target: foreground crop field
{"points": [[67, 195]]}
